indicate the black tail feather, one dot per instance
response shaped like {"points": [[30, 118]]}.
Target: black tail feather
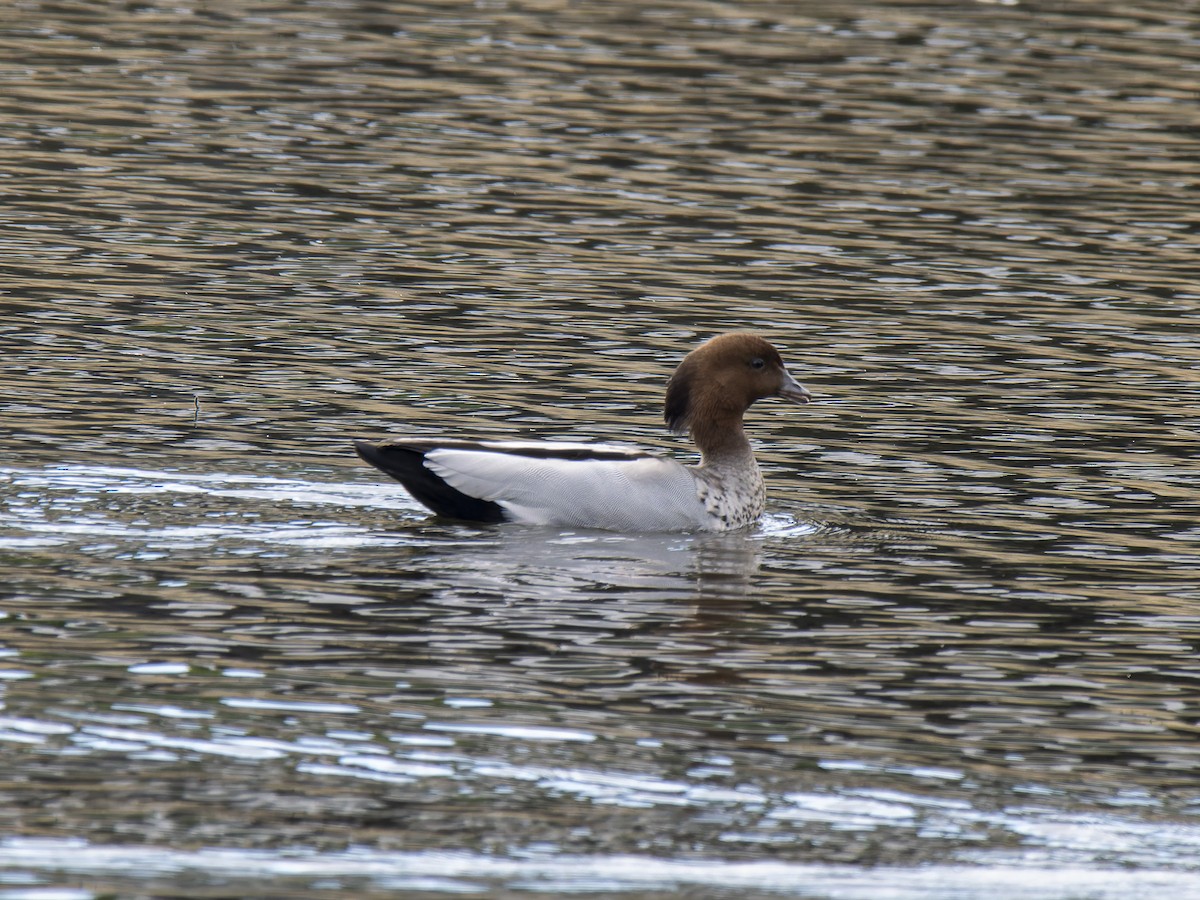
{"points": [[406, 463]]}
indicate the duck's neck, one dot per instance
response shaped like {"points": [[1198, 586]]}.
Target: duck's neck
{"points": [[723, 443]]}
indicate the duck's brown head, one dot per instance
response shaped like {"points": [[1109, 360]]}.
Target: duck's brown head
{"points": [[719, 380]]}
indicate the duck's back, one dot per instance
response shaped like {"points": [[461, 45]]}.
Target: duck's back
{"points": [[573, 485]]}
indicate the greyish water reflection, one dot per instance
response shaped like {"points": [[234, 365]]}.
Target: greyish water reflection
{"points": [[962, 646]]}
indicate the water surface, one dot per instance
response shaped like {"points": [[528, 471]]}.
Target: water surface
{"points": [[958, 657]]}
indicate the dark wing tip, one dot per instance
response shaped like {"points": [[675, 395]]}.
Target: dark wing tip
{"points": [[406, 463]]}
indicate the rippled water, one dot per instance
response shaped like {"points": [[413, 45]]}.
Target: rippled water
{"points": [[957, 659]]}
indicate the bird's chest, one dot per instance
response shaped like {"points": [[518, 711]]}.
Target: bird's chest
{"points": [[733, 497]]}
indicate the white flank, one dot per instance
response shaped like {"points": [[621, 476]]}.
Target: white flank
{"points": [[639, 494]]}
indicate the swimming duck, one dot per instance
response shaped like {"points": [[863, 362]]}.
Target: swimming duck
{"points": [[613, 487]]}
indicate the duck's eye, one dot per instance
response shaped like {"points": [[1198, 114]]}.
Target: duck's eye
{"points": [[757, 362]]}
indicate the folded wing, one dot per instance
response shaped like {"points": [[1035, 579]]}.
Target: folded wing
{"points": [[578, 485]]}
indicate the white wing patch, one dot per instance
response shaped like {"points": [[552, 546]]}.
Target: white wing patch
{"points": [[638, 494]]}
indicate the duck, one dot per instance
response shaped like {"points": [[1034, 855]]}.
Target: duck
{"points": [[610, 486]]}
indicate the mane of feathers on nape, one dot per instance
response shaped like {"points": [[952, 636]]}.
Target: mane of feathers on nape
{"points": [[677, 407]]}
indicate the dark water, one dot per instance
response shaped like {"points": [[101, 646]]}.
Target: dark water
{"points": [[959, 657]]}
